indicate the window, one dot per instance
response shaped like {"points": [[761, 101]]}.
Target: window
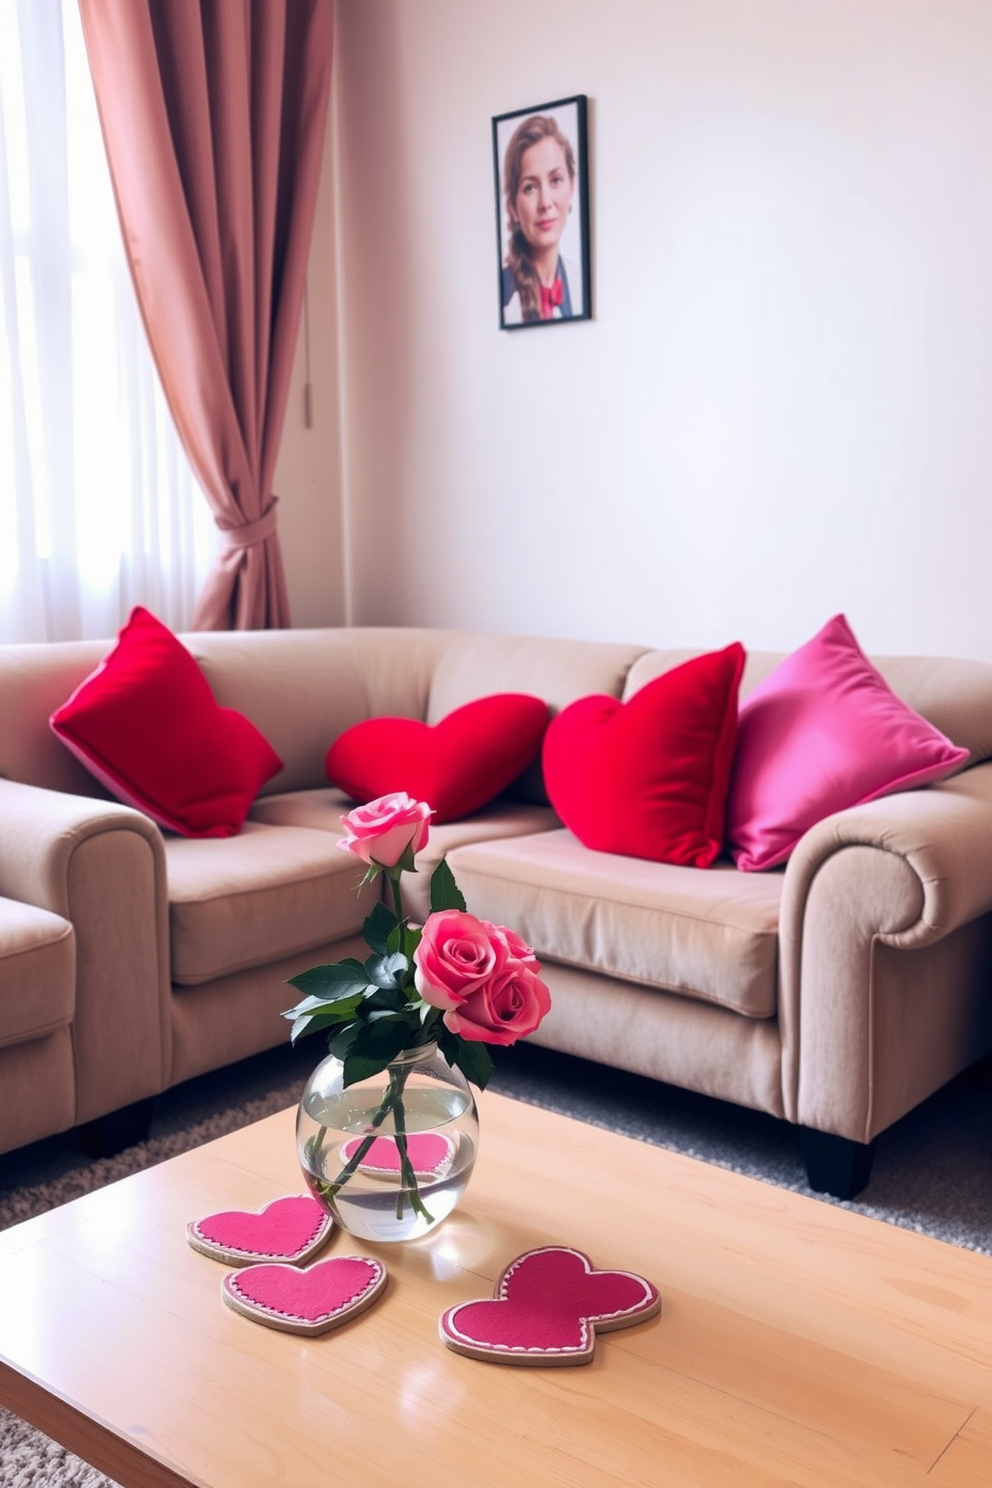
{"points": [[99, 509]]}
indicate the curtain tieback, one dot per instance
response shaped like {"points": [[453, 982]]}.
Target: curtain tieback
{"points": [[252, 532]]}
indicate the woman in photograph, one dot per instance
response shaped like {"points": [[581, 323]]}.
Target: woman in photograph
{"points": [[539, 185]]}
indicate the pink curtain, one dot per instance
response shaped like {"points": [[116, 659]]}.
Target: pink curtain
{"points": [[214, 114]]}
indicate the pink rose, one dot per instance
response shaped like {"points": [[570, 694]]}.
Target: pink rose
{"points": [[506, 1007], [456, 954], [484, 976], [382, 831], [517, 947]]}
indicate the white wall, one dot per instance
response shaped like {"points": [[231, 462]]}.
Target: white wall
{"points": [[783, 405]]}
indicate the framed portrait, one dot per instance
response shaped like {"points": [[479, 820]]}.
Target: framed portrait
{"points": [[542, 214]]}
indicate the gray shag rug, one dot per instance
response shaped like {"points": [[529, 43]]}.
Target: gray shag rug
{"points": [[932, 1170]]}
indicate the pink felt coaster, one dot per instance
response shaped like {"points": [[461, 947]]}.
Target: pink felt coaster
{"points": [[311, 1299], [288, 1229], [430, 1155], [547, 1308]]}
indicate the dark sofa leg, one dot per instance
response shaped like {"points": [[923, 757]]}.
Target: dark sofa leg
{"points": [[110, 1134], [836, 1165]]}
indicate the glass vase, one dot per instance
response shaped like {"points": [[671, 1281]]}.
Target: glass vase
{"points": [[389, 1157]]}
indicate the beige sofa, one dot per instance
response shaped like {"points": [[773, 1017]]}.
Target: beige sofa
{"points": [[835, 994]]}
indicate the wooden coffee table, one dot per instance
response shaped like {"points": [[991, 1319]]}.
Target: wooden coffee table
{"points": [[797, 1343]]}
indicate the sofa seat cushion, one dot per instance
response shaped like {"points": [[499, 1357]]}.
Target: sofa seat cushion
{"points": [[323, 809], [37, 972], [238, 902], [320, 809], [710, 934], [495, 824]]}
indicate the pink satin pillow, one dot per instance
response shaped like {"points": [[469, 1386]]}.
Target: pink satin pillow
{"points": [[823, 732]]}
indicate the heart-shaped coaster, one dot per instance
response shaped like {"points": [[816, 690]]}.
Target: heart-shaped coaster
{"points": [[309, 1299], [547, 1308], [289, 1229], [430, 1155]]}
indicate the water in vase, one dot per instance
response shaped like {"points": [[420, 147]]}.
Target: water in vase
{"points": [[335, 1128]]}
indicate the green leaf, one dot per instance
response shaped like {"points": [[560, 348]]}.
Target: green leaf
{"points": [[387, 1038], [448, 1043], [474, 1061], [300, 1027], [451, 1045], [343, 979], [409, 1024], [375, 1046], [403, 938], [386, 972], [407, 863], [378, 927], [431, 1024], [445, 893], [316, 1022], [340, 1043], [311, 1004], [361, 1067], [314, 1013], [300, 1008], [385, 999]]}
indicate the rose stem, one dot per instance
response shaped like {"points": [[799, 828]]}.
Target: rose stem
{"points": [[397, 899], [407, 1176], [378, 1118]]}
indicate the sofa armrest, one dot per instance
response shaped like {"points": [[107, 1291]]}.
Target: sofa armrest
{"points": [[102, 867], [944, 835], [905, 872]]}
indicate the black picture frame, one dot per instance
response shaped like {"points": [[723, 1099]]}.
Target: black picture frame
{"points": [[567, 297]]}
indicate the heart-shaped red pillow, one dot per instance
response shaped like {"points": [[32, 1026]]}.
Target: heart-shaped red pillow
{"points": [[649, 778], [457, 765]]}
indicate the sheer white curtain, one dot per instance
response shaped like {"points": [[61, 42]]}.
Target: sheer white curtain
{"points": [[98, 507]]}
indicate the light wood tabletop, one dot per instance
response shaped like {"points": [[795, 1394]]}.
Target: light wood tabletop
{"points": [[797, 1343]]}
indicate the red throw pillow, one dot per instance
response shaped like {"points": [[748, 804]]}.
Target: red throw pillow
{"points": [[146, 724], [648, 778], [457, 766]]}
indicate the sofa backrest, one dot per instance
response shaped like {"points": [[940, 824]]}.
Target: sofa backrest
{"points": [[955, 696], [34, 681], [302, 688], [475, 664]]}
